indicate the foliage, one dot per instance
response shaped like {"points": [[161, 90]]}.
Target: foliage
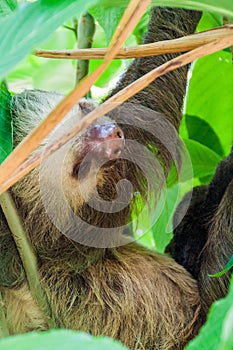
{"points": [[217, 333], [29, 25], [213, 76], [59, 340], [206, 127], [7, 6], [227, 268]]}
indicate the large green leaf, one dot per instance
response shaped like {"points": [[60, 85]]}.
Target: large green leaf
{"points": [[217, 333], [210, 94], [108, 18], [204, 160], [209, 20], [41, 73], [162, 229], [59, 340], [6, 138], [199, 130], [30, 24]]}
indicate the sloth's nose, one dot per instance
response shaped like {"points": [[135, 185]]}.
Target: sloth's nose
{"points": [[106, 140]]}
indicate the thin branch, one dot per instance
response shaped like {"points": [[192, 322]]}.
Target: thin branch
{"points": [[130, 18], [183, 44], [114, 101], [70, 28], [86, 30], [27, 255], [4, 331]]}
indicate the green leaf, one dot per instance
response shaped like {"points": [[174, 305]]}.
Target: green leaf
{"points": [[209, 20], [227, 331], [199, 130], [59, 340], [228, 266], [204, 160], [210, 94], [45, 74], [217, 333], [6, 131], [108, 18], [162, 229], [7, 6], [30, 24]]}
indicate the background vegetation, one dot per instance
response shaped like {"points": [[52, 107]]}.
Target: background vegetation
{"points": [[206, 127]]}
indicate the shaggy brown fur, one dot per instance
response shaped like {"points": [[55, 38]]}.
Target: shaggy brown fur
{"points": [[217, 252], [142, 298], [203, 241], [219, 246]]}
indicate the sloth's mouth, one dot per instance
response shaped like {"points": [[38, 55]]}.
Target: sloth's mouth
{"points": [[83, 167]]}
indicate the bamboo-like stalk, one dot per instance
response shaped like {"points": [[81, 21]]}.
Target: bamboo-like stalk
{"points": [[27, 255], [183, 44], [130, 18], [86, 30], [4, 332], [114, 101]]}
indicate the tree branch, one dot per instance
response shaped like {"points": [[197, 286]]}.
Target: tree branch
{"points": [[186, 43]]}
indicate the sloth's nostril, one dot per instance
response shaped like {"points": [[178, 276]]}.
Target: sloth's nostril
{"points": [[119, 133]]}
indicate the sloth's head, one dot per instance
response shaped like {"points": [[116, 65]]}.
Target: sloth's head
{"points": [[103, 172], [92, 179]]}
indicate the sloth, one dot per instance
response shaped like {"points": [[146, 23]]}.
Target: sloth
{"points": [[76, 211]]}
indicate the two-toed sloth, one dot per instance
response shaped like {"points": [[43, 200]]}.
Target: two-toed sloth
{"points": [[73, 216]]}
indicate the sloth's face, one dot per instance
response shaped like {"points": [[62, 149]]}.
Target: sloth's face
{"points": [[98, 145], [91, 163]]}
